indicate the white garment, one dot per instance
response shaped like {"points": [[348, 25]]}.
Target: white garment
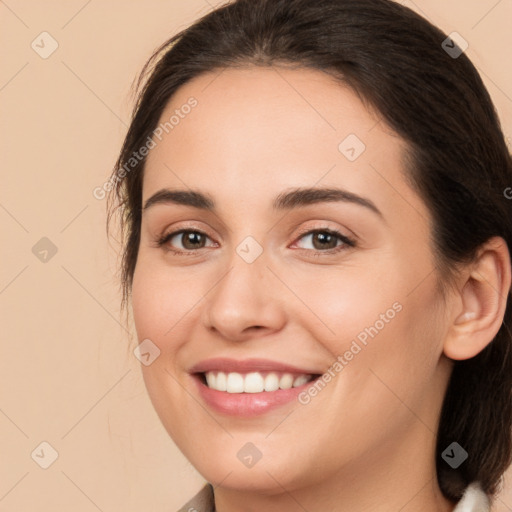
{"points": [[474, 500]]}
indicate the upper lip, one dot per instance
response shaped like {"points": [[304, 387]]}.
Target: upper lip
{"points": [[226, 365]]}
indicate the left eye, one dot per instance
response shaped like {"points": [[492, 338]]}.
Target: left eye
{"points": [[326, 239]]}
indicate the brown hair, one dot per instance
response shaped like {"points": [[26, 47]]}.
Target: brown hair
{"points": [[458, 162]]}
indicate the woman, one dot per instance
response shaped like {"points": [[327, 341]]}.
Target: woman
{"points": [[317, 233]]}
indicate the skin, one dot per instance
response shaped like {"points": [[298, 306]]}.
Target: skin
{"points": [[255, 133]]}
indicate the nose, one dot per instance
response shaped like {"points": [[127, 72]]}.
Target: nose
{"points": [[247, 301]]}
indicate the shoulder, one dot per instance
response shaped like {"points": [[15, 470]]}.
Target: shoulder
{"points": [[474, 499], [201, 502]]}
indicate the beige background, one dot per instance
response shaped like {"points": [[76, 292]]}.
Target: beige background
{"points": [[68, 375]]}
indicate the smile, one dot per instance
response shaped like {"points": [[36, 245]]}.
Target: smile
{"points": [[251, 387], [254, 382]]}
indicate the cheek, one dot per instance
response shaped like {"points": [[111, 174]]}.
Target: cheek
{"points": [[346, 304], [402, 358], [161, 300], [381, 326], [162, 306]]}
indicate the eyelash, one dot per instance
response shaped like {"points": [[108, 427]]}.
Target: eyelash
{"points": [[347, 242]]}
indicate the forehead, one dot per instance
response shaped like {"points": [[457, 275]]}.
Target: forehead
{"points": [[258, 130], [271, 113]]}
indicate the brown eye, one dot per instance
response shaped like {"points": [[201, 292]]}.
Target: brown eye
{"points": [[192, 240], [325, 240], [189, 240]]}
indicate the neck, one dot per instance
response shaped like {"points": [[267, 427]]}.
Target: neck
{"points": [[400, 475]]}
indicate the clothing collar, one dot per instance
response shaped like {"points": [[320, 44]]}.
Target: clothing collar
{"points": [[474, 499]]}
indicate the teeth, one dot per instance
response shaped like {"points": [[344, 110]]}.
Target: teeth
{"points": [[299, 381], [211, 380], [271, 382], [221, 383], [286, 381], [253, 382], [235, 383]]}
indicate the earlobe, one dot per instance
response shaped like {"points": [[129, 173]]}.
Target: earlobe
{"points": [[482, 301]]}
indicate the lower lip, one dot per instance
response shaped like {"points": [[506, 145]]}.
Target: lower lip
{"points": [[247, 404]]}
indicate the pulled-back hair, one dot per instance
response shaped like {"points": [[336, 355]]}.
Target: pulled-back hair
{"points": [[458, 162]]}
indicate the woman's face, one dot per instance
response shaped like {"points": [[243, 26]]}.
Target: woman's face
{"points": [[261, 274]]}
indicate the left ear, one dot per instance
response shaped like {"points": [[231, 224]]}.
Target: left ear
{"points": [[481, 301]]}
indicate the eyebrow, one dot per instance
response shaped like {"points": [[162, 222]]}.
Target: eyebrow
{"points": [[285, 201]]}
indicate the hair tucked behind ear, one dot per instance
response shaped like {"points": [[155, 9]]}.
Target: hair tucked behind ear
{"points": [[458, 161]]}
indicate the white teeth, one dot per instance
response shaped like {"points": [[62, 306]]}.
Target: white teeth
{"points": [[235, 383], [221, 383], [271, 382], [211, 380], [299, 381], [253, 382], [286, 381]]}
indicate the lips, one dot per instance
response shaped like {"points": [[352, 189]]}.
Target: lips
{"points": [[249, 387], [249, 365]]}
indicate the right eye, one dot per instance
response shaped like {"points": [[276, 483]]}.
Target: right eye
{"points": [[190, 240]]}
